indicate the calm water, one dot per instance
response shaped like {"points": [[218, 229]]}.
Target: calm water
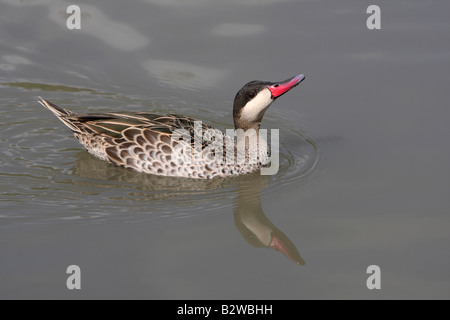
{"points": [[364, 156]]}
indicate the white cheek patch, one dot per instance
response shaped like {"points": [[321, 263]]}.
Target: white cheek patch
{"points": [[255, 108]]}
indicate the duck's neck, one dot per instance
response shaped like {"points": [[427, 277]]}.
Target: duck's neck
{"points": [[256, 148], [240, 123]]}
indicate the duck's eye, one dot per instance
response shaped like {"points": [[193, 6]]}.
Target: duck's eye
{"points": [[252, 94]]}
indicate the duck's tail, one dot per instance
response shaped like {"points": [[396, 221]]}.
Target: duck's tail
{"points": [[62, 114]]}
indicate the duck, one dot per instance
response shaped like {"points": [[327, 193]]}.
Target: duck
{"points": [[176, 145]]}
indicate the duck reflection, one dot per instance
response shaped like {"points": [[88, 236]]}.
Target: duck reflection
{"points": [[249, 216], [253, 224]]}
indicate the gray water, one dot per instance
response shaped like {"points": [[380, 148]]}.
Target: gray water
{"points": [[364, 156]]}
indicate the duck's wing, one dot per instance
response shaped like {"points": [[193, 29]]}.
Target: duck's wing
{"points": [[114, 124]]}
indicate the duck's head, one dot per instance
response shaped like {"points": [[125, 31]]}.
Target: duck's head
{"points": [[252, 101]]}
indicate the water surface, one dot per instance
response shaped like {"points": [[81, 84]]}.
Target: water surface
{"points": [[364, 157]]}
